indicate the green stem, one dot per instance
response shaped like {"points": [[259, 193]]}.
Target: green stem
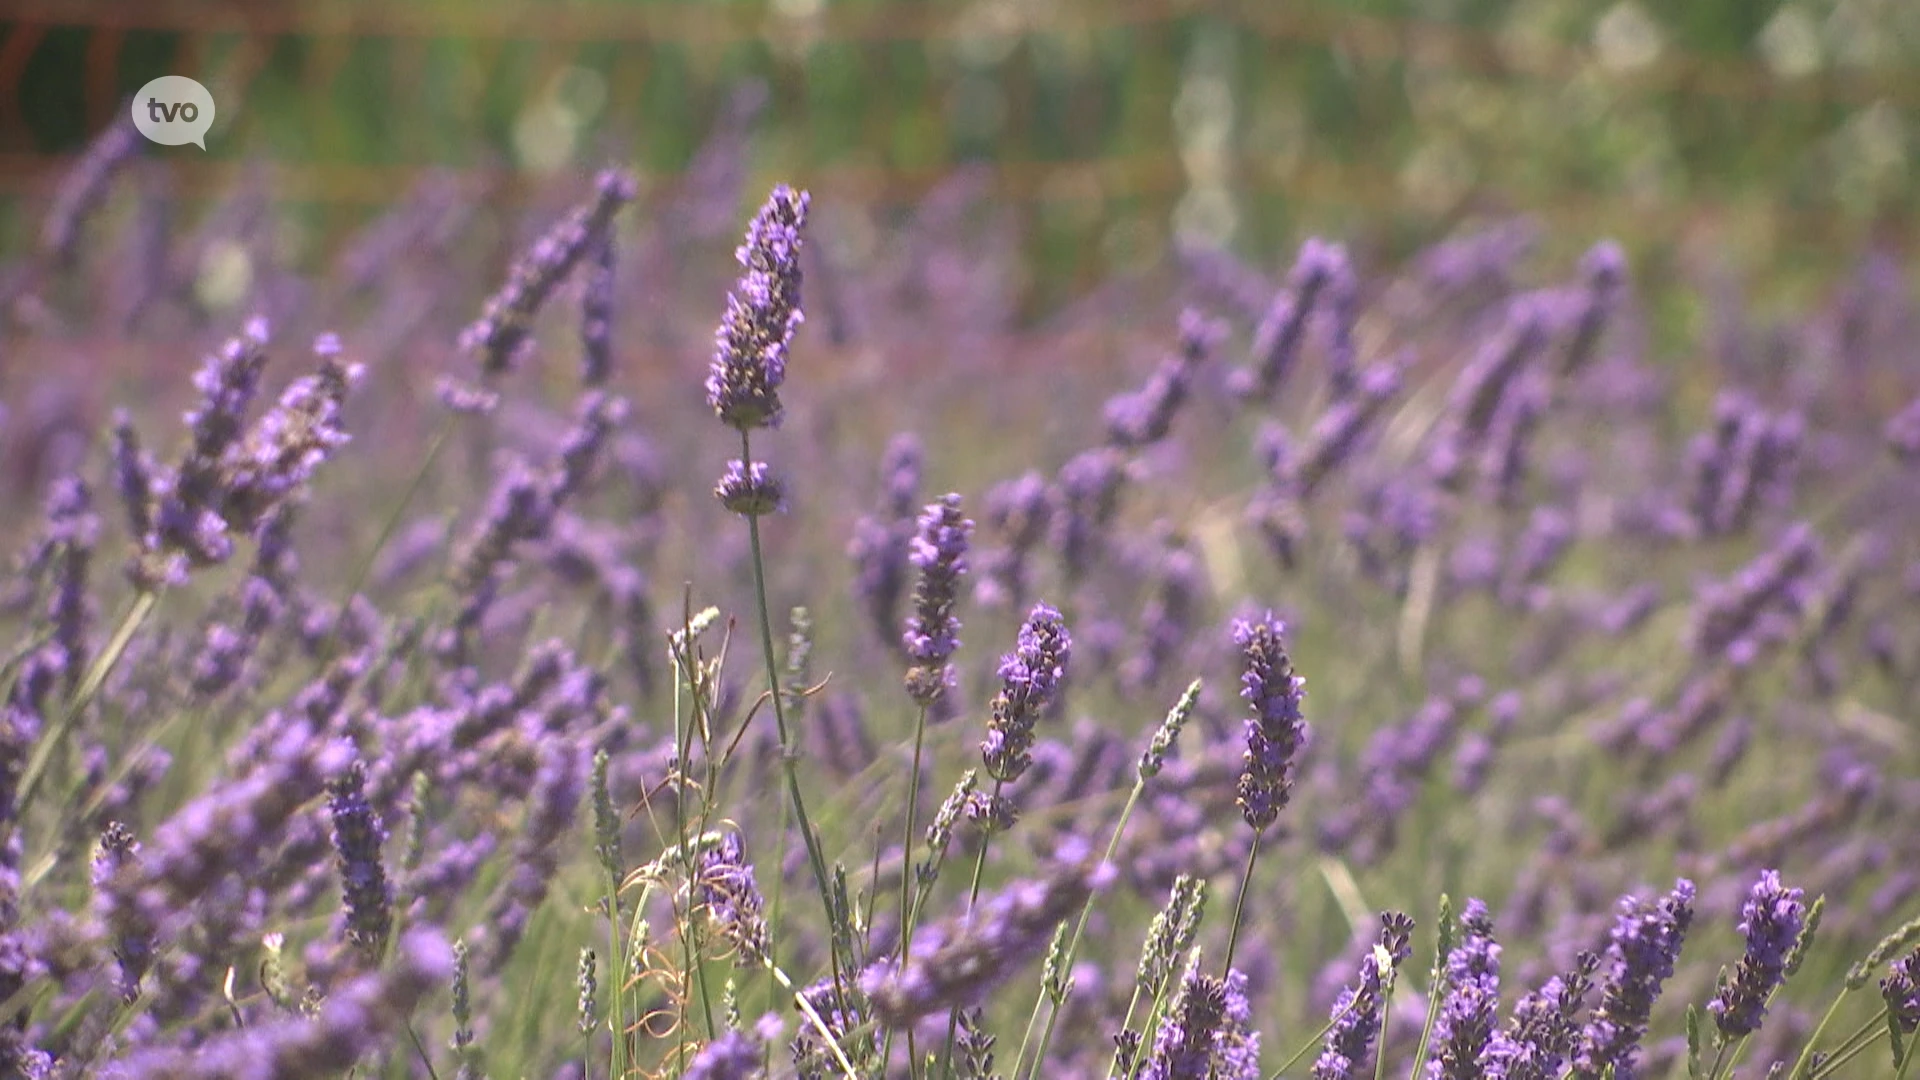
{"points": [[1806, 1052], [1240, 904], [788, 753], [96, 677], [973, 895]]}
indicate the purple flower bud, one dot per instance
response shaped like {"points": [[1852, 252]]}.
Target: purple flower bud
{"points": [[1275, 732], [357, 838], [1207, 1033], [1464, 1028], [750, 490], [933, 633], [1357, 1011], [725, 887], [596, 316], [1641, 952], [957, 964], [501, 331], [763, 311], [1771, 920], [1030, 676]]}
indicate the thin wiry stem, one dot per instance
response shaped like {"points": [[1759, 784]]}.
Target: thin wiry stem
{"points": [[788, 755]]}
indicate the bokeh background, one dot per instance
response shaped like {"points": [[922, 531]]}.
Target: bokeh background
{"points": [[1766, 142]]}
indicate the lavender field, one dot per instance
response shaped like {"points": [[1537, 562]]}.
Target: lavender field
{"points": [[679, 648]]}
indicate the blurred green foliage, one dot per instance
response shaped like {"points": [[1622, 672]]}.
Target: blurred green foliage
{"points": [[1764, 134]]}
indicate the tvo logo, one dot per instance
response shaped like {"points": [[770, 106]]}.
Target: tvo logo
{"points": [[174, 110]]}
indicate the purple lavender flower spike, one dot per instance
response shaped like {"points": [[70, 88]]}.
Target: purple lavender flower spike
{"points": [[1275, 732], [350, 1024], [1030, 676], [1771, 920], [596, 317], [1207, 1033], [1358, 1009], [750, 350], [1901, 991], [933, 633], [1641, 952], [726, 888], [84, 186], [1465, 1027], [1545, 1026], [1145, 416], [1276, 342], [957, 964], [733, 1056], [358, 836], [131, 938], [750, 490], [1603, 270], [501, 332]]}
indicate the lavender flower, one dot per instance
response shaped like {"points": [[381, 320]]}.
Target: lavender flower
{"points": [[750, 352], [1771, 920], [1276, 343], [1357, 1011], [1275, 732], [1641, 952], [1901, 991], [733, 1056], [596, 316], [502, 329], [956, 964], [1145, 416], [357, 838], [347, 1026], [131, 937], [1207, 1033], [1545, 1027], [726, 889], [1465, 1027], [1030, 676], [750, 490], [933, 633]]}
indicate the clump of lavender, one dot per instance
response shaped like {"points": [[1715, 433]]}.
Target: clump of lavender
{"points": [[1771, 920], [1358, 1009], [750, 351], [504, 326], [1276, 731], [358, 836], [1030, 675], [939, 552], [1641, 951], [1463, 1031], [230, 480]]}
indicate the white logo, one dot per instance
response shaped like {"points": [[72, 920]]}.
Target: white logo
{"points": [[173, 110]]}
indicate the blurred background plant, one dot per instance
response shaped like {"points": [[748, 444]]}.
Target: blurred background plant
{"points": [[1721, 134]]}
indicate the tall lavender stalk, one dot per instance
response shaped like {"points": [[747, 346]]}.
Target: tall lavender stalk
{"points": [[743, 389], [1275, 733], [939, 551]]}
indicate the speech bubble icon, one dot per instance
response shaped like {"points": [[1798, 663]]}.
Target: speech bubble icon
{"points": [[173, 110]]}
